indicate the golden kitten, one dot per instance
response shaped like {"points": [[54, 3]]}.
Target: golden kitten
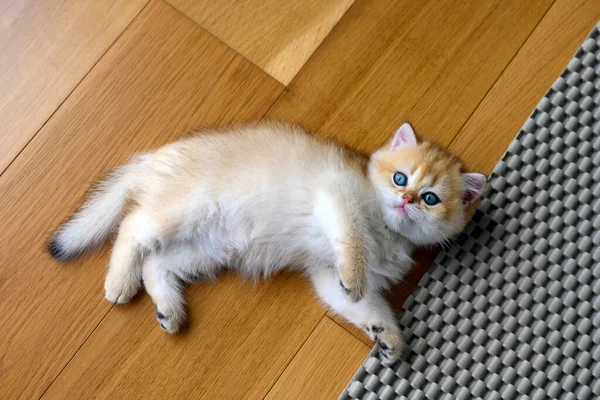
{"points": [[265, 197]]}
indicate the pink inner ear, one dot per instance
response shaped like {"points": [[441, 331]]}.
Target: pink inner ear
{"points": [[469, 197], [474, 186], [404, 136], [400, 138]]}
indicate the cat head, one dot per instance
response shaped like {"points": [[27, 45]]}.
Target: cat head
{"points": [[421, 189]]}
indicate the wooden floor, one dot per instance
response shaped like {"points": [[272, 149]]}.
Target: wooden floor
{"points": [[84, 83]]}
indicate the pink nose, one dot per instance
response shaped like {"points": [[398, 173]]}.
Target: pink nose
{"points": [[408, 199]]}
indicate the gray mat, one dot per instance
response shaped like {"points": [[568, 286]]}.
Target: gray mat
{"points": [[512, 311]]}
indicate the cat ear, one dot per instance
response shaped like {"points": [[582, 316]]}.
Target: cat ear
{"points": [[404, 136], [473, 185]]}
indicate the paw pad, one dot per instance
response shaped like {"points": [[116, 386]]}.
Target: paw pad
{"points": [[377, 329]]}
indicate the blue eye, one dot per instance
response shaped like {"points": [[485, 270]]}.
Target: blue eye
{"points": [[400, 179], [430, 199]]}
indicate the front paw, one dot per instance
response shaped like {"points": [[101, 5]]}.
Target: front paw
{"points": [[391, 345], [355, 290]]}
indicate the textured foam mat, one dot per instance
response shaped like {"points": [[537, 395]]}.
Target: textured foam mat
{"points": [[512, 311]]}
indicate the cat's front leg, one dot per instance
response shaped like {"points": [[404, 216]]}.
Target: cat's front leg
{"points": [[372, 313], [343, 223], [352, 267], [390, 341]]}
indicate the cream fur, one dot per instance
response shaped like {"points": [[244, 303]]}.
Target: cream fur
{"points": [[257, 199]]}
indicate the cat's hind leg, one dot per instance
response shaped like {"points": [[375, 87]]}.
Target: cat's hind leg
{"points": [[372, 313], [139, 235], [166, 291], [124, 276], [165, 274]]}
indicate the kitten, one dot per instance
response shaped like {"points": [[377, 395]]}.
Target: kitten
{"points": [[266, 197]]}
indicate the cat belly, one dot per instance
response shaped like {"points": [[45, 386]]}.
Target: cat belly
{"points": [[262, 252], [250, 234], [263, 258]]}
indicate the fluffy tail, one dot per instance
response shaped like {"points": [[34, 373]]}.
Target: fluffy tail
{"points": [[97, 218]]}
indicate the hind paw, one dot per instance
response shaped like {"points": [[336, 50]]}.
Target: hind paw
{"points": [[170, 322], [120, 290]]}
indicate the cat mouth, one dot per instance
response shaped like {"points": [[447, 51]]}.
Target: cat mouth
{"points": [[401, 209]]}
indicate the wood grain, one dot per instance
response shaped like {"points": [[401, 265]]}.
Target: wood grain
{"points": [[390, 61], [46, 48], [495, 123], [165, 75], [324, 365], [240, 338], [279, 36]]}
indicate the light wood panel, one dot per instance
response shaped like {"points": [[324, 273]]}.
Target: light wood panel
{"points": [[322, 368], [279, 36], [495, 123], [165, 75], [46, 48], [389, 61]]}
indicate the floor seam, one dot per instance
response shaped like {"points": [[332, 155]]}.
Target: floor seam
{"points": [[453, 57], [312, 332], [500, 75], [78, 350], [321, 43], [285, 87], [370, 346], [273, 104], [73, 90], [222, 41]]}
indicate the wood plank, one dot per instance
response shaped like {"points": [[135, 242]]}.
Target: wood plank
{"points": [[279, 36], [495, 123], [324, 365], [46, 48], [389, 61], [164, 76]]}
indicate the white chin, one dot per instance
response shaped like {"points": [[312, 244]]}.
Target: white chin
{"points": [[408, 228], [398, 222]]}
